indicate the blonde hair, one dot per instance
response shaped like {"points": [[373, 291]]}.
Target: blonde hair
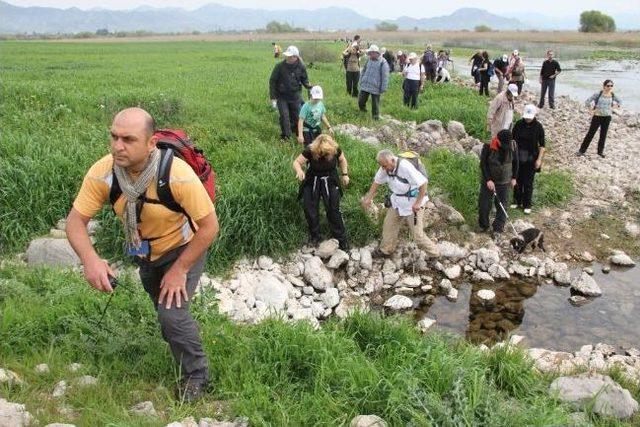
{"points": [[323, 146]]}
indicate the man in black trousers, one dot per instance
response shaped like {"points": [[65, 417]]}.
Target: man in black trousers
{"points": [[285, 85], [548, 72]]}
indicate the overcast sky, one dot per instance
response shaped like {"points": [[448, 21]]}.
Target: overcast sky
{"points": [[380, 9]]}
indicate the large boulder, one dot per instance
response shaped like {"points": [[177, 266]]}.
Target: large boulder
{"points": [[586, 285], [431, 126], [317, 275], [53, 252], [451, 250], [456, 130], [600, 392], [271, 291], [399, 302], [14, 414]]}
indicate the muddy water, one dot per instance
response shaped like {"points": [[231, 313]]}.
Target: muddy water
{"points": [[543, 314], [581, 78]]}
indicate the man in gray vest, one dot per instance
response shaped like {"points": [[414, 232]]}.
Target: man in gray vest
{"points": [[374, 79]]}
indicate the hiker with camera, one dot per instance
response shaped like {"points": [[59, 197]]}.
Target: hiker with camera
{"points": [[351, 60], [320, 181], [169, 222], [498, 173], [407, 180]]}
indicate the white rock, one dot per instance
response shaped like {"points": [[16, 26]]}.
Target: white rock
{"points": [[586, 285], [74, 367], [453, 272], [445, 285], [53, 252], [486, 258], [425, 324], [366, 261], [60, 389], [338, 259], [632, 229], [521, 225], [481, 276], [391, 278], [86, 381], [622, 259], [456, 130], [451, 250], [269, 290], [327, 248], [317, 274], [10, 378], [498, 272], [411, 282], [399, 302], [55, 425], [605, 349], [515, 340], [144, 409], [14, 414], [367, 421], [519, 269], [600, 392], [331, 298], [265, 263], [486, 294], [42, 368], [452, 295]]}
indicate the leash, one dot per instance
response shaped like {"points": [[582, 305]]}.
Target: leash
{"points": [[505, 213]]}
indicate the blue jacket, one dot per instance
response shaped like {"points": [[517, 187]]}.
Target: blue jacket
{"points": [[374, 76]]}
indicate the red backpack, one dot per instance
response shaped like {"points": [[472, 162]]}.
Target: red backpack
{"points": [[174, 142]]}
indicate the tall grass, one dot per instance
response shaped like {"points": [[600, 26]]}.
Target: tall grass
{"points": [[273, 373]]}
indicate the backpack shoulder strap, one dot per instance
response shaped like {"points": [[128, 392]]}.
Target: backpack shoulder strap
{"points": [[165, 196], [597, 99], [395, 175], [115, 191]]}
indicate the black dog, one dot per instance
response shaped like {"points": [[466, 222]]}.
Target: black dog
{"points": [[530, 236]]}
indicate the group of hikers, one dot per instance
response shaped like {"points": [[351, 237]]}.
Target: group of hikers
{"points": [[170, 220]]}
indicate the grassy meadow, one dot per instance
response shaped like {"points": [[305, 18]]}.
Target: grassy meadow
{"points": [[59, 99]]}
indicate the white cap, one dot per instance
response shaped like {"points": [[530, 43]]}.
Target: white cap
{"points": [[529, 111], [516, 52], [291, 51], [412, 55], [505, 58], [316, 92], [383, 50], [513, 88], [399, 52], [373, 48]]}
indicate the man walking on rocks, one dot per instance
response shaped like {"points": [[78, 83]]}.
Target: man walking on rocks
{"points": [[171, 256], [285, 85], [373, 81], [406, 205], [548, 73]]}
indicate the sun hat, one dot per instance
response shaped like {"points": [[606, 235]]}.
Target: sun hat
{"points": [[373, 48], [316, 92], [291, 51], [529, 111], [513, 88]]}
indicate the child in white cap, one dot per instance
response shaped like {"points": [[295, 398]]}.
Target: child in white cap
{"points": [[312, 116]]}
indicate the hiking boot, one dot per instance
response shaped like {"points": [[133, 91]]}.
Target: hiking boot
{"points": [[191, 390], [313, 242], [377, 253], [527, 211], [579, 153], [602, 155], [344, 246]]}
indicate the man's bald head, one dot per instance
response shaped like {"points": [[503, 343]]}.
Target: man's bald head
{"points": [[136, 118]]}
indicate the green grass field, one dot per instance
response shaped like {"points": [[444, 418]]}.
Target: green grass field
{"points": [[59, 99]]}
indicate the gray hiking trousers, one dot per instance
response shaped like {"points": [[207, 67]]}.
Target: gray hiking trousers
{"points": [[178, 328]]}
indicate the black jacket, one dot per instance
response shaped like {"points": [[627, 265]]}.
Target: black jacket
{"points": [[499, 167], [529, 137], [287, 80]]}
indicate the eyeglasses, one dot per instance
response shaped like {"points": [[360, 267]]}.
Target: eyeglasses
{"points": [[608, 85]]}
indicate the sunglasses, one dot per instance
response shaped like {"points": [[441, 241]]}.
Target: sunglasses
{"points": [[608, 85]]}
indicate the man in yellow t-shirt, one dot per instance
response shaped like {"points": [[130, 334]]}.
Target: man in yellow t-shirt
{"points": [[277, 50], [170, 255]]}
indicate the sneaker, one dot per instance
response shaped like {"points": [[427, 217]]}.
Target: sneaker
{"points": [[579, 153], [191, 390], [527, 211]]}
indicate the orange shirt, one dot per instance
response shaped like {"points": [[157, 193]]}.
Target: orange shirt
{"points": [[166, 229]]}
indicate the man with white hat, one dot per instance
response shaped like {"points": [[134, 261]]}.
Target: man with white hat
{"points": [[285, 85], [500, 66], [351, 56], [500, 113], [374, 80], [529, 136]]}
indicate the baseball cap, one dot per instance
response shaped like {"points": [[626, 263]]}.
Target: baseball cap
{"points": [[516, 52], [291, 51], [529, 111], [505, 58], [399, 52], [412, 55], [373, 48], [513, 88], [316, 92]]}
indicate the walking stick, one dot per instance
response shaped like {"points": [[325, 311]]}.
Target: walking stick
{"points": [[114, 283], [505, 213]]}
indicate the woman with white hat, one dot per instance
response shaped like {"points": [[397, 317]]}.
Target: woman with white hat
{"points": [[414, 76], [529, 136]]}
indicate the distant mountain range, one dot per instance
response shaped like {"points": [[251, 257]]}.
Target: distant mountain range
{"points": [[217, 17]]}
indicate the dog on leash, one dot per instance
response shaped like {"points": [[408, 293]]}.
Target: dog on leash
{"points": [[533, 237]]}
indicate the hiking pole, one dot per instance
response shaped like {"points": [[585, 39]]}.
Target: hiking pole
{"points": [[114, 283], [505, 213]]}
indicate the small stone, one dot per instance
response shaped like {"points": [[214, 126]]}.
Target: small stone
{"points": [[453, 272], [585, 285], [425, 324], [367, 421], [87, 381], [481, 276], [498, 272], [265, 263], [578, 300], [399, 302], [445, 285], [317, 275], [75, 367], [605, 236], [391, 278], [144, 409], [327, 248], [586, 256], [606, 269], [621, 259], [42, 368], [452, 295], [515, 340], [59, 425], [60, 389], [338, 259], [330, 298], [411, 282], [10, 378], [486, 295], [588, 270], [632, 229], [366, 261]]}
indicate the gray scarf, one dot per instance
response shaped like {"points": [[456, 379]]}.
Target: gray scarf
{"points": [[131, 191]]}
